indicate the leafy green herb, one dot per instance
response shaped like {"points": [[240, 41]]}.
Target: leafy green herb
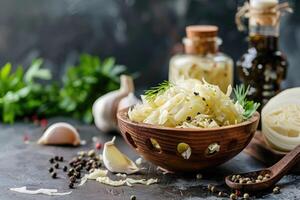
{"points": [[84, 83], [21, 95], [153, 92], [249, 106]]}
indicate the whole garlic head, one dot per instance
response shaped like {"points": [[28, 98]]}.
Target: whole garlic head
{"points": [[60, 134], [128, 101], [105, 107]]}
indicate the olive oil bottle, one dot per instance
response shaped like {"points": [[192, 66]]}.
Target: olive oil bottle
{"points": [[263, 67]]}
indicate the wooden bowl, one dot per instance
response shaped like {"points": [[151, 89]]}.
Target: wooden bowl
{"points": [[231, 140]]}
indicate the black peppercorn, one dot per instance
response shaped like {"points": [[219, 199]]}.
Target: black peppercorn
{"points": [[56, 158], [71, 185], [61, 159], [188, 118], [196, 93], [132, 197], [65, 168], [78, 175], [51, 169], [73, 179], [78, 168], [53, 175], [51, 160], [56, 165]]}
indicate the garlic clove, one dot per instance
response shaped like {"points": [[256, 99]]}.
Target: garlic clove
{"points": [[60, 134], [116, 161], [105, 107], [128, 101]]}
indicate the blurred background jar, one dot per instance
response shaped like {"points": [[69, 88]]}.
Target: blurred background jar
{"points": [[202, 59], [264, 66]]}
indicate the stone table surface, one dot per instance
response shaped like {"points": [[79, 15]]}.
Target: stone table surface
{"points": [[27, 165]]}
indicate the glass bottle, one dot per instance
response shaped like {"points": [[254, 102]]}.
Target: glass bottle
{"points": [[202, 59], [263, 67]]}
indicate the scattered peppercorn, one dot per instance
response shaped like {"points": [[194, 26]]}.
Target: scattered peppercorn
{"points": [[56, 158], [65, 168], [61, 159], [132, 197], [53, 175], [91, 153], [220, 194], [199, 176], [233, 196], [213, 189], [78, 175], [73, 179], [209, 186], [71, 185], [196, 93], [51, 160], [51, 169], [98, 145], [56, 165], [188, 118], [276, 190], [246, 196]]}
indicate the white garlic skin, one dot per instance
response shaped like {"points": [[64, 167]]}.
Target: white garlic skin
{"points": [[128, 101], [60, 134], [105, 107]]}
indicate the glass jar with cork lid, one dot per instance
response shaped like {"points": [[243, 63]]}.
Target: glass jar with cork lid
{"points": [[263, 67], [202, 59]]}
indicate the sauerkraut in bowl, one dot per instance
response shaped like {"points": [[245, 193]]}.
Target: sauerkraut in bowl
{"points": [[192, 104]]}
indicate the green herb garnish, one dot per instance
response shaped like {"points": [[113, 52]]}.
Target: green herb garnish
{"points": [[21, 95], [250, 107], [153, 92]]}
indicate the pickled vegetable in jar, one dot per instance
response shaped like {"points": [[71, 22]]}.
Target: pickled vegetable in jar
{"points": [[202, 59], [264, 66]]}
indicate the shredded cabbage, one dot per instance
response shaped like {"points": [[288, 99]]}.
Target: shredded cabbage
{"points": [[189, 104]]}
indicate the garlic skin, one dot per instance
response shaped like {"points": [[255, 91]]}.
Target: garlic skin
{"points": [[115, 161], [128, 101], [60, 134], [105, 107]]}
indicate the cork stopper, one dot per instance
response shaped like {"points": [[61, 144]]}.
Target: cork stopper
{"points": [[200, 31], [201, 39]]}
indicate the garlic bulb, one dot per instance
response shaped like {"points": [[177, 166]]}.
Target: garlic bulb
{"points": [[128, 101], [281, 120], [60, 134], [105, 108], [116, 161]]}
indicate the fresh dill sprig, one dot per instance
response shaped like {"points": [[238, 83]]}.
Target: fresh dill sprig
{"points": [[153, 92], [250, 107]]}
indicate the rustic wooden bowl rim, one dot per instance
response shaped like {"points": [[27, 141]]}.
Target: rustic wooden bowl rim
{"points": [[123, 116]]}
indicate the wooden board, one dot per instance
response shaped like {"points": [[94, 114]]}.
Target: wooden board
{"points": [[261, 150]]}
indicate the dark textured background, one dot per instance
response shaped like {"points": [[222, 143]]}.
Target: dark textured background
{"points": [[140, 34]]}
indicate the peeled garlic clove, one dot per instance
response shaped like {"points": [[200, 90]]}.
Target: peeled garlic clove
{"points": [[116, 161], [105, 108], [60, 134], [128, 101]]}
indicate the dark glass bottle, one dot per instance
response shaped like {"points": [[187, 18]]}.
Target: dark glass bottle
{"points": [[264, 66]]}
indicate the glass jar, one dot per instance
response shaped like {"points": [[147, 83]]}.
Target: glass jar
{"points": [[263, 67], [202, 60]]}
